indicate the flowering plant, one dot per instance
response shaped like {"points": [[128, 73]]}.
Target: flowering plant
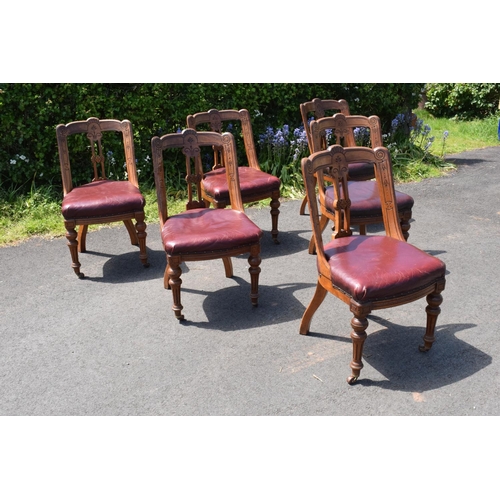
{"points": [[281, 151], [409, 142]]}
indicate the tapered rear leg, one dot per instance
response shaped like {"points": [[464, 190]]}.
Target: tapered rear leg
{"points": [[318, 298], [131, 232], [323, 222], [434, 300], [303, 206], [82, 238], [228, 266]]}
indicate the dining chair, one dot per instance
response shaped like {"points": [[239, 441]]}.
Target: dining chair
{"points": [[255, 184], [319, 108], [200, 232], [365, 200], [102, 200], [367, 272]]}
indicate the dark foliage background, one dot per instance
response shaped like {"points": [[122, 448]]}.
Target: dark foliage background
{"points": [[30, 112]]}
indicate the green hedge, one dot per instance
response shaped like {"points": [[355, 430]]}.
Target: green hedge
{"points": [[30, 112], [464, 101]]}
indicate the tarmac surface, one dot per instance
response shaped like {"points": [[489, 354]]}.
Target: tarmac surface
{"points": [[110, 344]]}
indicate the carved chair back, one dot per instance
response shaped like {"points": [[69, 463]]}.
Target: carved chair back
{"points": [[215, 120], [340, 129], [191, 142], [93, 128], [330, 167], [318, 108]]}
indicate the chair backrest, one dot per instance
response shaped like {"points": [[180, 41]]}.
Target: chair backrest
{"points": [[215, 119], [317, 108], [342, 129], [94, 128], [191, 142], [331, 167]]}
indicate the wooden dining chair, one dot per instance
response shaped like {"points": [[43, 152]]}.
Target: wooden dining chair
{"points": [[365, 199], [319, 108], [200, 232], [255, 185], [367, 272], [102, 200]]}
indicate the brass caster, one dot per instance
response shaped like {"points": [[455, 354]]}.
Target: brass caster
{"points": [[81, 276], [422, 348], [146, 265], [352, 380]]}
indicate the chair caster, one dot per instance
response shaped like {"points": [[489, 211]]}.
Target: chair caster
{"points": [[352, 380]]}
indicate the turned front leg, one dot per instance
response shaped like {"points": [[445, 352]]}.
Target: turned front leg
{"points": [[359, 324], [275, 204], [71, 236], [434, 300], [174, 272], [140, 227], [254, 260]]}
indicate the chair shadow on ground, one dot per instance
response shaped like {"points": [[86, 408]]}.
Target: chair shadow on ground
{"points": [[393, 352], [229, 308], [127, 268], [291, 242]]}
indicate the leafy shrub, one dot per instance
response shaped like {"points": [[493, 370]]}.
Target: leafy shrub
{"points": [[463, 101]]}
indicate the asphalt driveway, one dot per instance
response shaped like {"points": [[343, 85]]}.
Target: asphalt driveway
{"points": [[110, 345]]}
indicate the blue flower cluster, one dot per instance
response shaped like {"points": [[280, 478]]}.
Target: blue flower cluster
{"points": [[282, 146]]}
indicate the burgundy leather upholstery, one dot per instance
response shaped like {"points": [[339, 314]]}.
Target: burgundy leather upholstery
{"points": [[368, 268], [252, 181], [365, 199], [205, 230], [101, 199], [361, 171]]}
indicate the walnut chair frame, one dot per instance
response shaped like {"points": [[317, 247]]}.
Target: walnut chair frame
{"points": [[102, 200], [200, 232], [316, 109], [255, 185], [367, 272], [365, 200]]}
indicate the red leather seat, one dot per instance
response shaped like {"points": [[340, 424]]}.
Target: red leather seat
{"points": [[102, 198], [253, 182], [371, 268], [207, 230], [365, 200], [361, 171]]}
